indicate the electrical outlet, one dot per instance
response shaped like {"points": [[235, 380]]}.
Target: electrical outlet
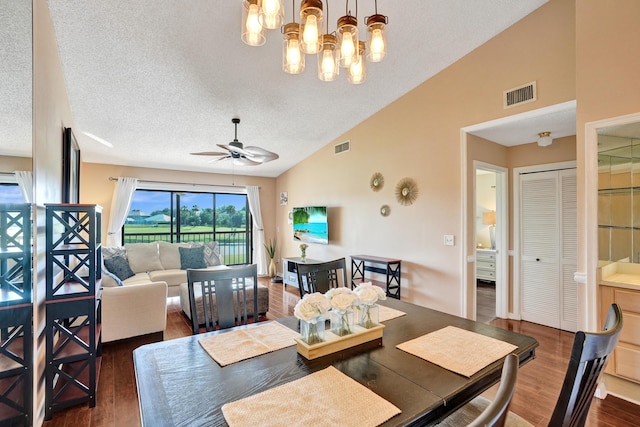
{"points": [[449, 240]]}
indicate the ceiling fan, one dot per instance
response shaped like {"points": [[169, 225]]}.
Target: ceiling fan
{"points": [[246, 156]]}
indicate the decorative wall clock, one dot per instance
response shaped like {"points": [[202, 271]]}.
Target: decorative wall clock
{"points": [[377, 181], [406, 191]]}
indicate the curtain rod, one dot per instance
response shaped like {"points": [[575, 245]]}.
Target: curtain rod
{"points": [[186, 183], [7, 173]]}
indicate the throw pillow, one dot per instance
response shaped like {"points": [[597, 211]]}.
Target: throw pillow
{"points": [[143, 257], [192, 258], [110, 280], [119, 266], [211, 252], [169, 254]]}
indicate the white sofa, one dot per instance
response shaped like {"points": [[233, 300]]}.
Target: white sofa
{"points": [[135, 303]]}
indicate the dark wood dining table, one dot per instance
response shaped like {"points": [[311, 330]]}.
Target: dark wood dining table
{"points": [[179, 384]]}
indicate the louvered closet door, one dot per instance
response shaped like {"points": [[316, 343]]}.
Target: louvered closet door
{"points": [[548, 248]]}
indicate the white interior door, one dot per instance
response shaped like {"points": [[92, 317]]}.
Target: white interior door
{"points": [[548, 248]]}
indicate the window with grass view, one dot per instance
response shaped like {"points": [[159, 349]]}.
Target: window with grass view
{"points": [[174, 216]]}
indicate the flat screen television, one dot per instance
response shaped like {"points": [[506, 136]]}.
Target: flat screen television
{"points": [[310, 224]]}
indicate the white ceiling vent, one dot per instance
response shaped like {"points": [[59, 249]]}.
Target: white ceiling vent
{"points": [[343, 147], [520, 95]]}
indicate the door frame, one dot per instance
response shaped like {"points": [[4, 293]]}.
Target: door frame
{"points": [[517, 313], [502, 237]]}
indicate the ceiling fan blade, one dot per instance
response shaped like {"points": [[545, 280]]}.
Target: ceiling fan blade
{"points": [[233, 149], [258, 153], [219, 159], [209, 153], [243, 161]]}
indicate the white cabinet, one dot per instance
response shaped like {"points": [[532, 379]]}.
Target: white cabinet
{"points": [[486, 264]]}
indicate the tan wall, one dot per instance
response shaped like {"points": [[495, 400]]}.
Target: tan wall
{"points": [[12, 163], [51, 114], [418, 136], [96, 187]]}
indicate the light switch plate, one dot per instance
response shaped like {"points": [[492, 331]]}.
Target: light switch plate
{"points": [[449, 240]]}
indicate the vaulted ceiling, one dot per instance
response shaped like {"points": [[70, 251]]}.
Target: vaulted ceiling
{"points": [[159, 79]]}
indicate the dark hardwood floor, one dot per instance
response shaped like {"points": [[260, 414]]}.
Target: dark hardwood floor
{"points": [[538, 381]]}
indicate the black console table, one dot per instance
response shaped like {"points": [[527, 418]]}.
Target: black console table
{"points": [[390, 267]]}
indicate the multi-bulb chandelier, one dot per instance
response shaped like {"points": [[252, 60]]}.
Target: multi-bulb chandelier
{"points": [[339, 49]]}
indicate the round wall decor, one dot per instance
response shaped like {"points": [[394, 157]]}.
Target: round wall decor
{"points": [[377, 181], [385, 210], [406, 191]]}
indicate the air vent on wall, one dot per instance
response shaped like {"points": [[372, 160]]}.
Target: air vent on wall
{"points": [[520, 95], [342, 147]]}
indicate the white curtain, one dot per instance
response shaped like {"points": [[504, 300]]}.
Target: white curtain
{"points": [[25, 181], [253, 195], [120, 204]]}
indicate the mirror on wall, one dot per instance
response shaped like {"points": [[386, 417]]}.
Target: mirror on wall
{"points": [[619, 193]]}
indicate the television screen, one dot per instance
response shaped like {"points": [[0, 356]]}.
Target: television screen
{"points": [[310, 224]]}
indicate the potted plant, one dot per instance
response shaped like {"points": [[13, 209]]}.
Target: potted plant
{"points": [[270, 246]]}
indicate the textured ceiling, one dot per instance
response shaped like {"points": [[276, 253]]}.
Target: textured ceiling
{"points": [[159, 79], [15, 78]]}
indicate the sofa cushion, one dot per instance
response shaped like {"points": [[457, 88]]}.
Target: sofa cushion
{"points": [[173, 277], [192, 257], [143, 257], [169, 254], [110, 280], [119, 266], [137, 279]]}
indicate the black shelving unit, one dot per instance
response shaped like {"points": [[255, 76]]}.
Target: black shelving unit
{"points": [[16, 312], [391, 268], [73, 305]]}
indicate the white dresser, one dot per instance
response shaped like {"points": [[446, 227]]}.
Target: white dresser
{"points": [[486, 264]]}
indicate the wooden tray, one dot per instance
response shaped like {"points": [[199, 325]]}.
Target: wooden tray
{"points": [[333, 343]]}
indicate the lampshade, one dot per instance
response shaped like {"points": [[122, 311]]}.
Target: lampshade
{"points": [[358, 69], [252, 29], [376, 38], [292, 57], [347, 40], [544, 139], [272, 14], [489, 218], [328, 59], [310, 26]]}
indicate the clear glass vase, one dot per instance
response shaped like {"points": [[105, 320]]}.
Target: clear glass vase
{"points": [[369, 315], [312, 331], [342, 322]]}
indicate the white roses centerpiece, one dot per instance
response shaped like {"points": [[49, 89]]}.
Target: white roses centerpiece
{"points": [[311, 310], [368, 296], [342, 300]]}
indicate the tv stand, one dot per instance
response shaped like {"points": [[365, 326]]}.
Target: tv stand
{"points": [[290, 271]]}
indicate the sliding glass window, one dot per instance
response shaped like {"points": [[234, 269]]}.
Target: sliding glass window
{"points": [[10, 193], [174, 216]]}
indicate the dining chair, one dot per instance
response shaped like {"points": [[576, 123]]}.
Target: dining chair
{"points": [[223, 296], [589, 357], [320, 277], [482, 412]]}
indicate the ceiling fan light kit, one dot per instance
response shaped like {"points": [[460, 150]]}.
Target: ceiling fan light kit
{"points": [[241, 155], [341, 48]]}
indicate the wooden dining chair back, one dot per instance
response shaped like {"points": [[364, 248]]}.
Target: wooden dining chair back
{"points": [[495, 415], [223, 296], [589, 356], [322, 276]]}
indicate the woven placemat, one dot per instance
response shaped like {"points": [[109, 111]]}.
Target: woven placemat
{"points": [[234, 346], [388, 313], [458, 350], [325, 398]]}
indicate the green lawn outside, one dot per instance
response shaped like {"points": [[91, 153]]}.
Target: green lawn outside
{"points": [[165, 228]]}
